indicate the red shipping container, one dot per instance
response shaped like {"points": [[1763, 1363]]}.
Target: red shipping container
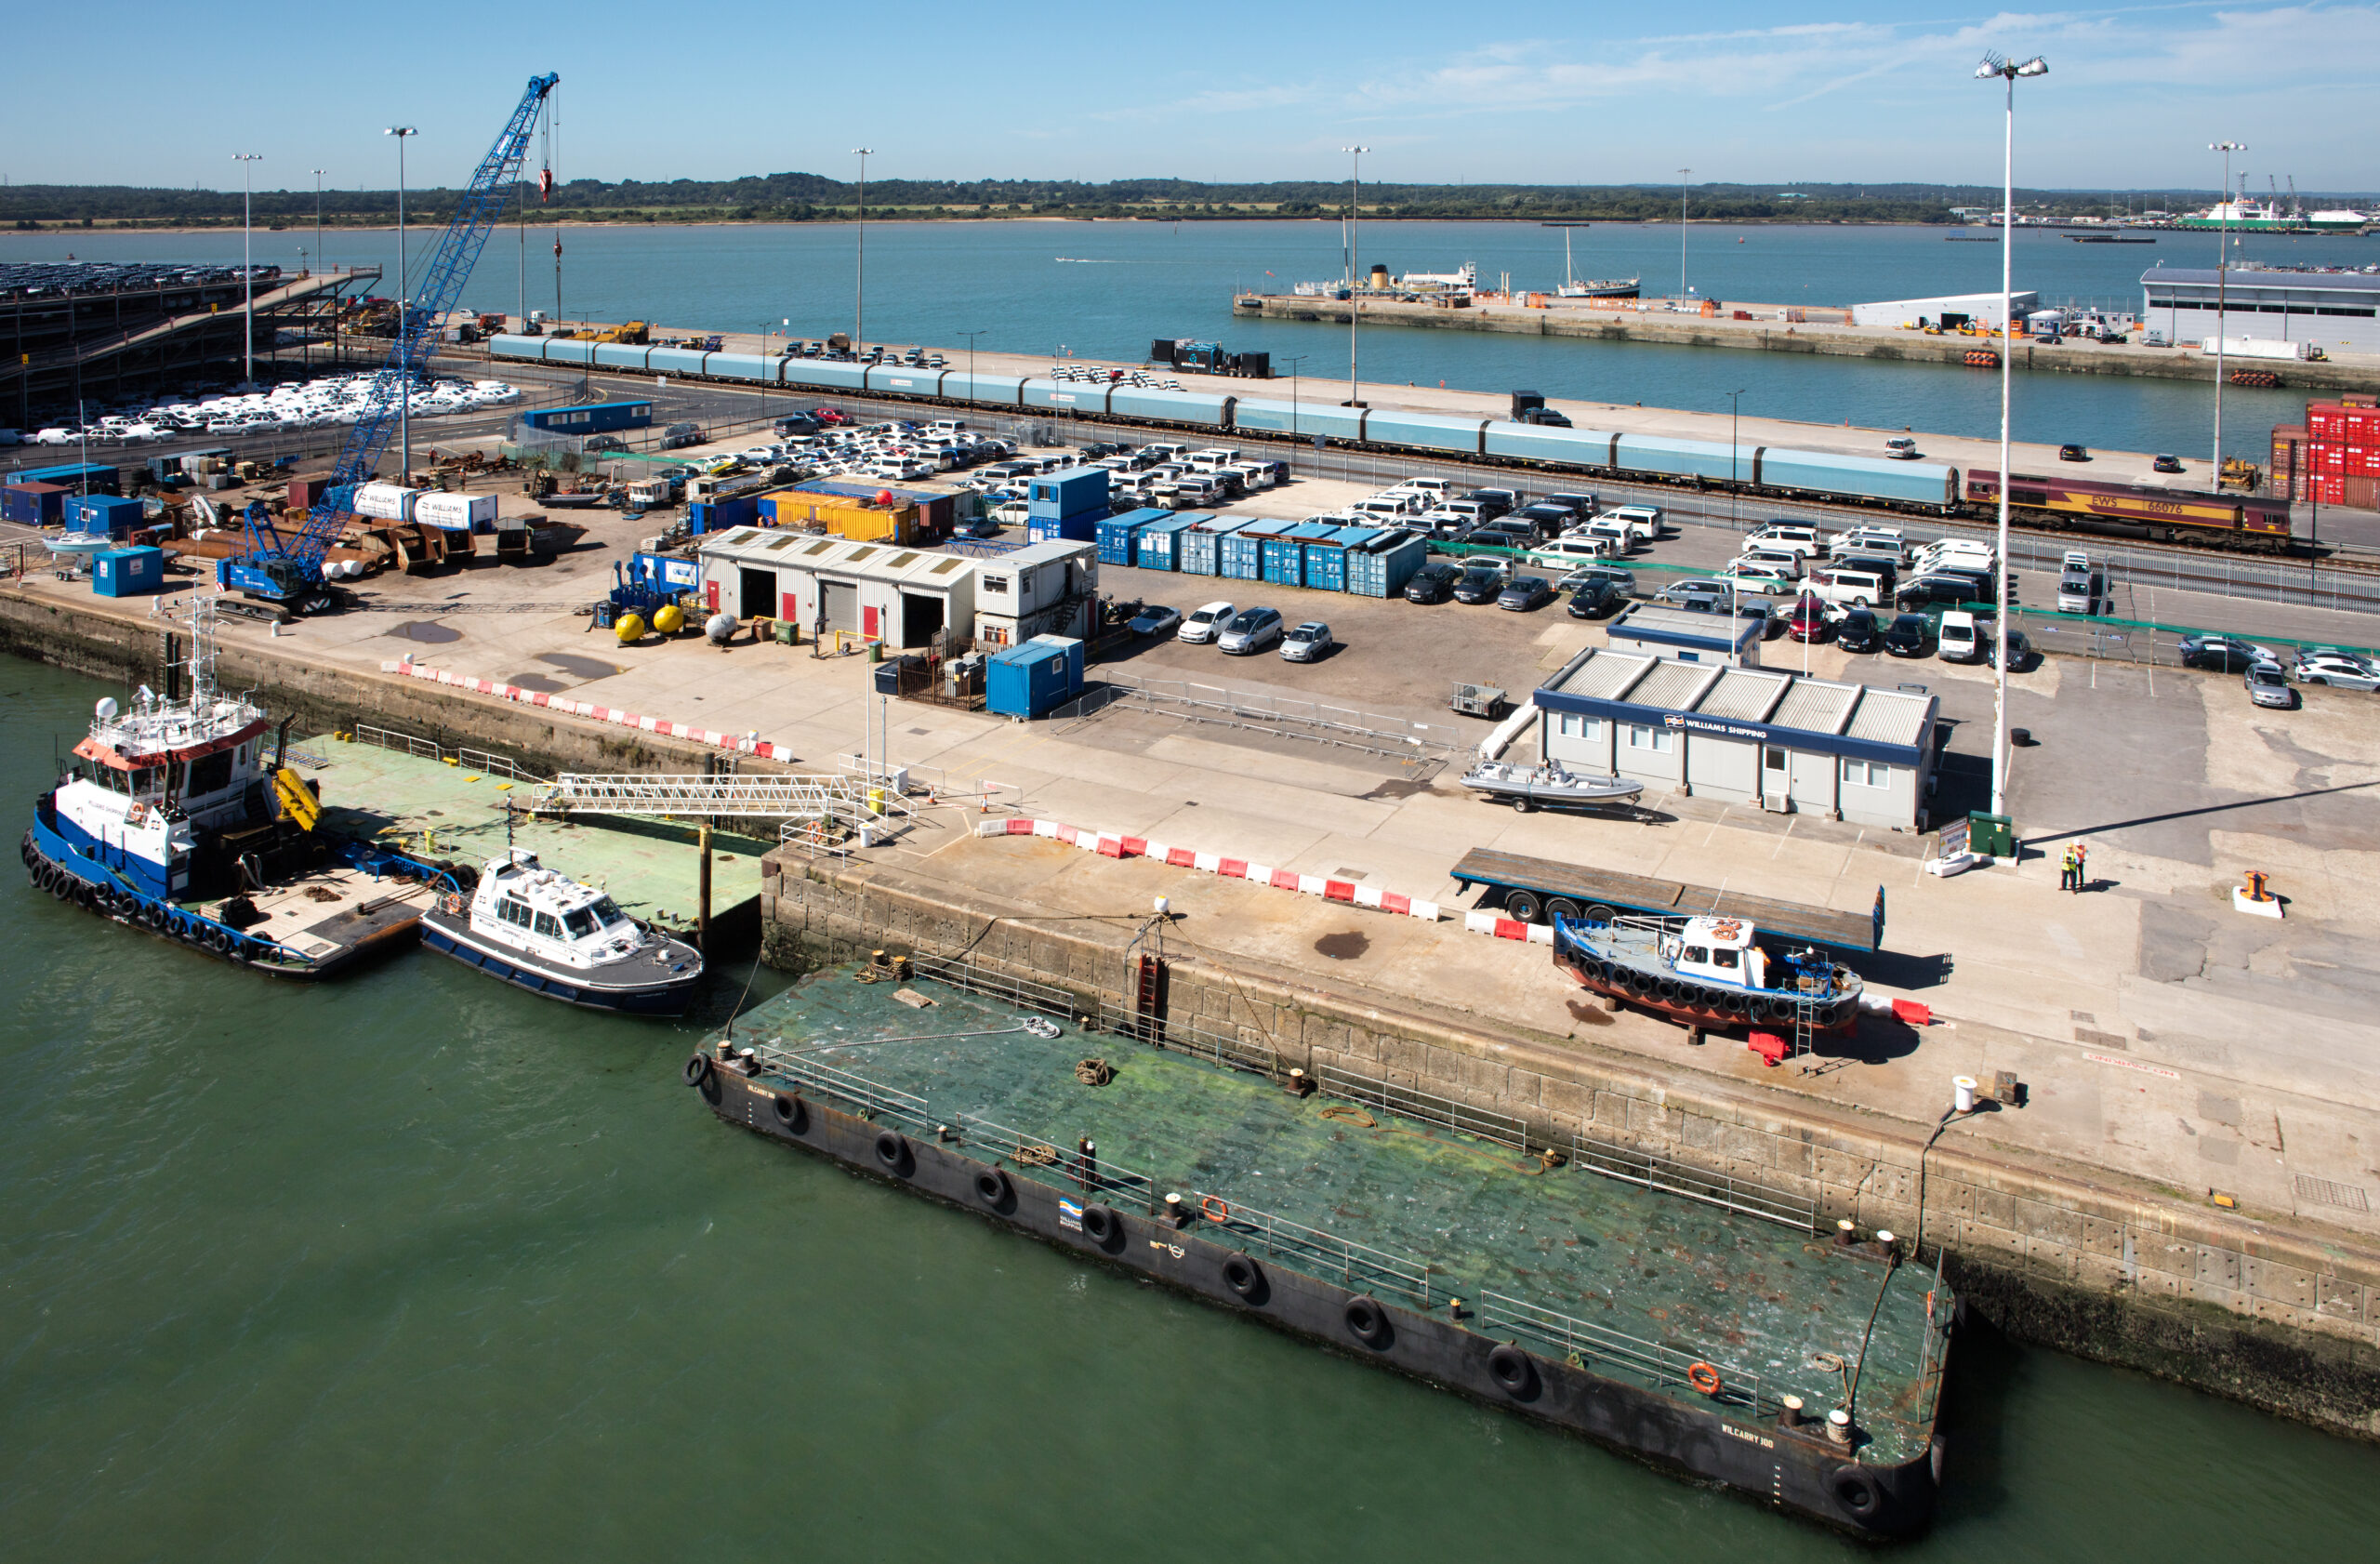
{"points": [[2330, 491], [2359, 399], [2360, 494], [2327, 421], [2362, 426]]}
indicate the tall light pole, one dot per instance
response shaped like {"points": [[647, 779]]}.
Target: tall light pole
{"points": [[320, 259], [859, 291], [2222, 277], [1995, 66], [1354, 285], [971, 336], [1683, 175], [405, 303], [1294, 395], [248, 271]]}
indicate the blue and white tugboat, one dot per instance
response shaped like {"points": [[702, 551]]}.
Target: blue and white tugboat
{"points": [[1709, 971], [179, 817], [553, 935]]}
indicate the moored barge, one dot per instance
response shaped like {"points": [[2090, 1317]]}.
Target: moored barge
{"points": [[1701, 1324]]}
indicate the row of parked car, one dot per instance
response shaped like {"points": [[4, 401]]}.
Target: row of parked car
{"points": [[2269, 678], [1239, 632]]}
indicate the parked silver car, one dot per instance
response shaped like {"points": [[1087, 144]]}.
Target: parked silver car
{"points": [[2268, 685], [1308, 642], [2341, 670], [1251, 630]]}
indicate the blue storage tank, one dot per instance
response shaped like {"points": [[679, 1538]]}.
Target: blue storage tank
{"points": [[1028, 680], [1306, 419], [1325, 558], [1383, 566], [1072, 492], [1082, 528], [128, 572], [1157, 544], [719, 515], [1065, 396], [1116, 534], [596, 419], [102, 514], [1568, 447], [1426, 432], [1198, 552]]}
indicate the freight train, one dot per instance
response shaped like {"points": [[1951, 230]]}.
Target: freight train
{"points": [[1916, 486]]}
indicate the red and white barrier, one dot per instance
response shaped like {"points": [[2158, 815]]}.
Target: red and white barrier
{"points": [[742, 744], [1109, 844]]}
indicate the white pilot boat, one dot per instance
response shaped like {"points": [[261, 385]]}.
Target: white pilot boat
{"points": [[1709, 971], [1528, 787], [553, 935]]}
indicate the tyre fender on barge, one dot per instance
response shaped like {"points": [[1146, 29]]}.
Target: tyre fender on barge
{"points": [[1796, 1468]]}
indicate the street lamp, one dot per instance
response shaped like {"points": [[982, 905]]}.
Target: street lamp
{"points": [[405, 303], [320, 259], [248, 271], [2222, 277], [1997, 66], [1293, 396], [1735, 505], [859, 293], [971, 336], [1354, 287], [1683, 175]]}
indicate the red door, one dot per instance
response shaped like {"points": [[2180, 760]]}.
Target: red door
{"points": [[868, 624], [791, 609], [710, 595]]}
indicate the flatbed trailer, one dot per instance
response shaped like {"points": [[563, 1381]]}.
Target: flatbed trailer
{"points": [[1538, 887]]}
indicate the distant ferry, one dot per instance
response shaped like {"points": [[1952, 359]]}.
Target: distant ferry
{"points": [[2250, 215]]}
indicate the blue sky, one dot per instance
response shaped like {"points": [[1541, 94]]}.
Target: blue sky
{"points": [[1221, 89]]}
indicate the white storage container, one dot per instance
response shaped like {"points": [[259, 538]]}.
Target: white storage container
{"points": [[386, 502], [456, 512]]}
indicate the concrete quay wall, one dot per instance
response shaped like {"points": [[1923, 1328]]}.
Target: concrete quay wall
{"points": [[1901, 347], [2068, 1257]]}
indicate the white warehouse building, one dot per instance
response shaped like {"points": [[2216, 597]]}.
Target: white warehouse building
{"points": [[879, 592], [1983, 309]]}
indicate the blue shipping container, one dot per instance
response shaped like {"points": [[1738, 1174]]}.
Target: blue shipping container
{"points": [[1325, 558], [1027, 680], [94, 476], [1382, 568], [127, 572], [601, 418], [1240, 556], [1199, 551], [719, 515], [1157, 542], [1072, 529], [1116, 533], [1284, 553], [1069, 493], [105, 513], [33, 504]]}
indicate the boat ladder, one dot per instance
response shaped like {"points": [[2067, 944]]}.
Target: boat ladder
{"points": [[854, 800]]}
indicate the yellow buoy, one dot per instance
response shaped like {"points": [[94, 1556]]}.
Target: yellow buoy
{"points": [[671, 620], [630, 628]]}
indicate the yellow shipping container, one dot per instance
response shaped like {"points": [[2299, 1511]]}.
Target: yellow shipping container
{"points": [[845, 518]]}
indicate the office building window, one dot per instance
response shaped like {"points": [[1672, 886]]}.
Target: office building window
{"points": [[1643, 736], [1575, 726], [1867, 773]]}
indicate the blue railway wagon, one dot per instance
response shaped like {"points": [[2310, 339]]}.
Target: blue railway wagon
{"points": [[741, 366], [675, 360], [1425, 431], [1683, 459], [1381, 567], [1283, 554], [824, 377], [1304, 418], [984, 390], [1174, 407], [1325, 558], [569, 352], [905, 380], [620, 355], [1198, 552], [503, 345], [1155, 545], [1903, 482], [1566, 447], [1239, 555], [1065, 396]]}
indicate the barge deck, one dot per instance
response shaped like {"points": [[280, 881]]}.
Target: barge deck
{"points": [[1710, 1330]]}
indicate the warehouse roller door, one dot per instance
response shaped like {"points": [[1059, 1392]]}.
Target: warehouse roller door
{"points": [[838, 605]]}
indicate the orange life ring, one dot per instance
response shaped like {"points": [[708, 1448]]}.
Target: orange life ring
{"points": [[1212, 1209], [138, 815], [1703, 1377], [1725, 928]]}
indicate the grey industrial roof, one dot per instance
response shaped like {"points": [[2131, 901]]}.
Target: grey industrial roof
{"points": [[1607, 674], [2238, 277], [1744, 694], [1675, 686], [1890, 717], [1710, 629], [1815, 706]]}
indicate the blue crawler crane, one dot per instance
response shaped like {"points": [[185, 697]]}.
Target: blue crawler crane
{"points": [[280, 572]]}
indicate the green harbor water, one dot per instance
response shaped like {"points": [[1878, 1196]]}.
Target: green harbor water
{"points": [[414, 1265]]}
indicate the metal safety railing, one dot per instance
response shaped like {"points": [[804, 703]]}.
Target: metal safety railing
{"points": [[430, 749], [1651, 1171], [1595, 1347], [1317, 1253], [1086, 1169], [781, 798], [1427, 1108], [959, 972], [873, 1099]]}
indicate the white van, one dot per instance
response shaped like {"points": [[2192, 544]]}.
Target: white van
{"points": [[1786, 562], [1957, 550], [1379, 510], [1847, 586], [1868, 533], [1214, 458], [1958, 640], [1436, 488], [1567, 553], [1648, 517], [1803, 540]]}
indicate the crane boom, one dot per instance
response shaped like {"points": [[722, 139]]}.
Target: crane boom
{"points": [[287, 569]]}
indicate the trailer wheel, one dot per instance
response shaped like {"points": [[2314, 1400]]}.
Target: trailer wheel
{"points": [[1562, 909], [1522, 904], [1520, 806], [1599, 913]]}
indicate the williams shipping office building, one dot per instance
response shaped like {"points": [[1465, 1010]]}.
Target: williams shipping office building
{"points": [[1745, 734], [2334, 312]]}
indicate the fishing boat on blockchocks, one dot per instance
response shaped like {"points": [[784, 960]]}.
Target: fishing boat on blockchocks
{"points": [[181, 818], [1532, 786], [554, 935], [1709, 971]]}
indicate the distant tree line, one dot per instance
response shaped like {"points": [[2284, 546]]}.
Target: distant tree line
{"points": [[812, 197]]}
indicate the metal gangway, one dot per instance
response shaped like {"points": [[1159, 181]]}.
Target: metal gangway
{"points": [[852, 801]]}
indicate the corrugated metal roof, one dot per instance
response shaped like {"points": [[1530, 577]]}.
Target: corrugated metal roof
{"points": [[1890, 717], [1675, 685], [1715, 630], [1744, 694], [1815, 705], [1607, 674]]}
